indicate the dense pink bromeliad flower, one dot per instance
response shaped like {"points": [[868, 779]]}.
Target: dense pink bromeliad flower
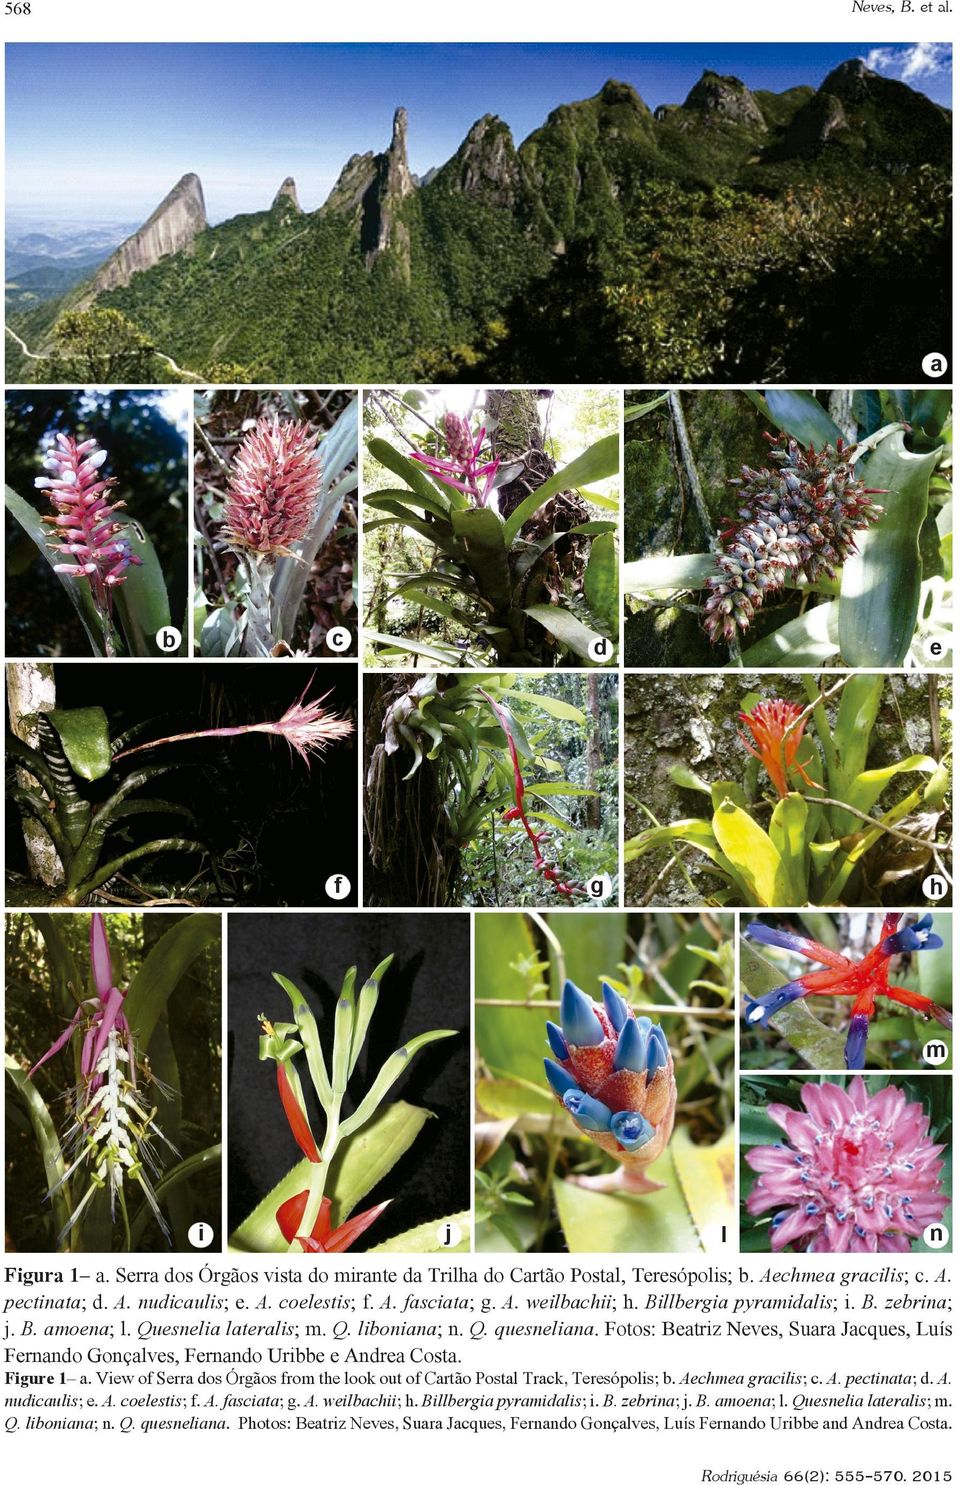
{"points": [[463, 470], [858, 1172], [274, 485], [95, 546]]}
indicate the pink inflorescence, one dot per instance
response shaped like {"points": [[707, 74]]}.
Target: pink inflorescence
{"points": [[858, 1172], [87, 532], [274, 485], [463, 470], [799, 518]]}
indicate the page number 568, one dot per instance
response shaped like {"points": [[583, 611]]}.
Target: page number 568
{"points": [[17, 7]]}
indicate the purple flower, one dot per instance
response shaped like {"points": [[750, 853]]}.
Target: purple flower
{"points": [[463, 470]]}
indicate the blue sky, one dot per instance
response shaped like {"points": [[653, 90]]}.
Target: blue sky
{"points": [[103, 131]]}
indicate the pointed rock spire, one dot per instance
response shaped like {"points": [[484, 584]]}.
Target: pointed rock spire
{"points": [[287, 195], [169, 229]]}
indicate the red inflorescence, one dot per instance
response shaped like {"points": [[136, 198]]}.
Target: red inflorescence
{"points": [[274, 484]]}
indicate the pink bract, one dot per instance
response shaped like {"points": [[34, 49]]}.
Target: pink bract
{"points": [[858, 1172]]}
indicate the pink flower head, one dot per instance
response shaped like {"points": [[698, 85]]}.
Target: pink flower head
{"points": [[858, 1172], [463, 470], [104, 1013], [86, 531], [274, 484]]}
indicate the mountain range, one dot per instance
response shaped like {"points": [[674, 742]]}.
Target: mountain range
{"points": [[614, 241]]}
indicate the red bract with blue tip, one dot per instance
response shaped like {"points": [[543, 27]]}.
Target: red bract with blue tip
{"points": [[865, 979]]}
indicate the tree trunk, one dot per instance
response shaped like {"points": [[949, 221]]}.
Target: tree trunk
{"points": [[413, 860], [31, 689], [594, 759]]}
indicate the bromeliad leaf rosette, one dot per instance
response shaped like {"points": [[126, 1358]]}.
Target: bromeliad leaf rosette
{"points": [[800, 519], [614, 1075]]}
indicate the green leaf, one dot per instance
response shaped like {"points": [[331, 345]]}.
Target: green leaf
{"points": [[446, 654], [510, 1041], [219, 634], [880, 585], [800, 415], [642, 409], [85, 734], [359, 1164], [511, 1098], [600, 1222], [45, 1133], [598, 462], [390, 499], [788, 830], [666, 574], [163, 968], [812, 639], [552, 705], [569, 630], [546, 791], [685, 778], [141, 599], [815, 1044], [600, 586], [752, 853], [706, 1177], [408, 469], [481, 533], [425, 1238], [77, 590]]}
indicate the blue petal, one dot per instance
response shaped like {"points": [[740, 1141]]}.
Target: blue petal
{"points": [[557, 1040], [616, 1007], [777, 938], [758, 1012], [914, 936], [559, 1079], [578, 1019], [631, 1129], [631, 1053], [658, 1053], [855, 1051], [590, 1113]]}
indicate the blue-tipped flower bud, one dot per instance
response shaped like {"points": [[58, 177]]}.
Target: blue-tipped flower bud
{"points": [[580, 1025], [616, 1008], [631, 1129], [777, 938], [658, 1053], [914, 936], [558, 1042], [631, 1053], [758, 1012], [855, 1051], [559, 1079], [590, 1113]]}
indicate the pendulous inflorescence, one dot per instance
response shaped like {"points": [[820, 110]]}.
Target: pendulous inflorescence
{"points": [[800, 519]]}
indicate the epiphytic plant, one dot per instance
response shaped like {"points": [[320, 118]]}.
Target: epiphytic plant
{"points": [[813, 846], [111, 1171], [516, 566]]}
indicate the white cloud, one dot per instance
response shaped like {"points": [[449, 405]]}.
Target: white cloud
{"points": [[910, 63]]}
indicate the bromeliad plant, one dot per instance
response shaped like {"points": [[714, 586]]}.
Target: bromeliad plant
{"points": [[110, 1173], [281, 498], [863, 980], [105, 561], [488, 575], [614, 1075], [296, 1216], [860, 530], [76, 747], [852, 1171], [468, 746], [817, 843]]}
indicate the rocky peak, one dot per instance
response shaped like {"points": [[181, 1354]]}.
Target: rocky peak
{"points": [[850, 81], [486, 163], [287, 196], [615, 93], [169, 229], [716, 97]]}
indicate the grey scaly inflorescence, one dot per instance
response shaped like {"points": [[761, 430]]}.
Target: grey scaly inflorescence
{"points": [[799, 518]]}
